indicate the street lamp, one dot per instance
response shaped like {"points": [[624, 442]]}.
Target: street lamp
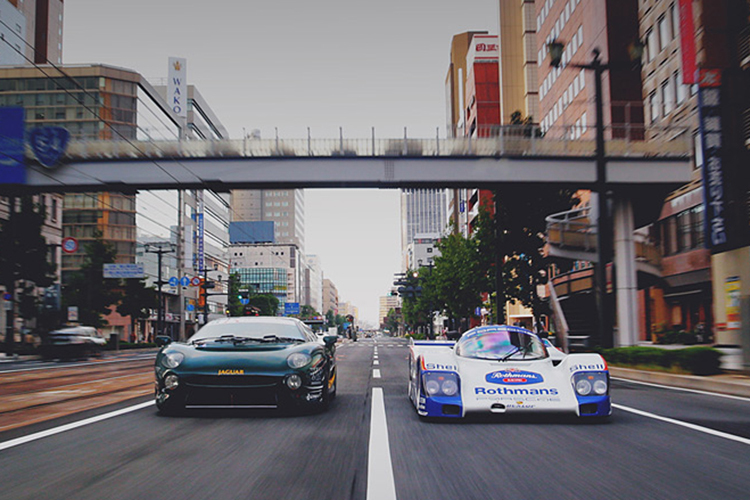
{"points": [[160, 248], [603, 232]]}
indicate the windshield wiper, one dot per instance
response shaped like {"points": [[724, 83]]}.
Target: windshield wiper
{"points": [[274, 338], [511, 353], [226, 338]]}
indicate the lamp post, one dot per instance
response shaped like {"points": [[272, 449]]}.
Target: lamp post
{"points": [[604, 225], [160, 248]]}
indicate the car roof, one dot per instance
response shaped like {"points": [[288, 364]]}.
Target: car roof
{"points": [[255, 319]]}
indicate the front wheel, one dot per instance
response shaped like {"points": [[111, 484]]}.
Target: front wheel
{"points": [[168, 405]]}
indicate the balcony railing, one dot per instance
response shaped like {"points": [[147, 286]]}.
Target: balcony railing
{"points": [[511, 140]]}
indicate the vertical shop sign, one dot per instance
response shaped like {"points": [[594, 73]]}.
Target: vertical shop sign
{"points": [[714, 192], [732, 289], [687, 41], [12, 165], [177, 86]]}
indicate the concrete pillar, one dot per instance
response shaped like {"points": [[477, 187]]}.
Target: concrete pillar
{"points": [[626, 278]]}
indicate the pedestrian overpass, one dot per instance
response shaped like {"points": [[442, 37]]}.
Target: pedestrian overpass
{"points": [[639, 174]]}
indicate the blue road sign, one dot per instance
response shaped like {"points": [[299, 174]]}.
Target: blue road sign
{"points": [[173, 281], [190, 307], [185, 281], [244, 302], [291, 308]]}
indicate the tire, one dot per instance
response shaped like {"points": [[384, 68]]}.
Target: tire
{"points": [[170, 407]]}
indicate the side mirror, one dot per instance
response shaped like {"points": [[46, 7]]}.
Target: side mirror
{"points": [[330, 339], [163, 340]]}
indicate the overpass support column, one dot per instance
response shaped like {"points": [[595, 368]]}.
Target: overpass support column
{"points": [[626, 278]]}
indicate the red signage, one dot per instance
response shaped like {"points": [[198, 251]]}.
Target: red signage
{"points": [[70, 245], [687, 41], [709, 78]]}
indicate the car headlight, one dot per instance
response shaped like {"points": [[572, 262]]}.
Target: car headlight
{"points": [[591, 383], [449, 387], [440, 383], [432, 387], [294, 381], [298, 360], [172, 359], [171, 381]]}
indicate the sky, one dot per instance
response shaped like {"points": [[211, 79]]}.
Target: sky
{"points": [[288, 65]]}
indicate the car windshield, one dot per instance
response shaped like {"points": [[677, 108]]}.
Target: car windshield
{"points": [[501, 343], [261, 331]]}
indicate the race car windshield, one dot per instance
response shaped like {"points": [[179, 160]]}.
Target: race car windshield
{"points": [[502, 344], [263, 332]]}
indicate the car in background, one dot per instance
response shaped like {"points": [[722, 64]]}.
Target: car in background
{"points": [[72, 342], [502, 369], [252, 362]]}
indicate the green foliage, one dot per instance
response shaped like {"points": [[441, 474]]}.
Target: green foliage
{"points": [[695, 360], [88, 289], [267, 303], [137, 300], [307, 312], [234, 304], [457, 281], [392, 321]]}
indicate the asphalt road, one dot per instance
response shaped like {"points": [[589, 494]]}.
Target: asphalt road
{"points": [[340, 454]]}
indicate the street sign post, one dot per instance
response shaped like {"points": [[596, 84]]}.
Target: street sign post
{"points": [[123, 271], [291, 308]]}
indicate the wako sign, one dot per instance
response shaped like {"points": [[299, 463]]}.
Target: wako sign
{"points": [[177, 86]]}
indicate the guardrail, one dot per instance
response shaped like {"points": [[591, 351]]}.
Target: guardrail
{"points": [[511, 140]]}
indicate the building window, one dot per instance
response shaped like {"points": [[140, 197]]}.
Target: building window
{"points": [[680, 88], [674, 13], [653, 106], [651, 45], [667, 96], [665, 34]]}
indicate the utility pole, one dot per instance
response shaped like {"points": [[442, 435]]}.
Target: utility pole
{"points": [[160, 248], [10, 292]]}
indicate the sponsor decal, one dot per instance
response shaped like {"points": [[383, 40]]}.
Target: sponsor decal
{"points": [[514, 376], [231, 372], [438, 366], [540, 391], [596, 367]]}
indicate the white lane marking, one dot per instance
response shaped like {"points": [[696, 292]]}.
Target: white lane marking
{"points": [[698, 428], [73, 425], [380, 484], [375, 373], [684, 389], [376, 362]]}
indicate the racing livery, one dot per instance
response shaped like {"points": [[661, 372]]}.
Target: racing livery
{"points": [[505, 369]]}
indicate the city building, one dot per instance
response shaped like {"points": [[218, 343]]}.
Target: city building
{"points": [[422, 250], [387, 303], [330, 297], [33, 30], [269, 268], [422, 211], [313, 283], [285, 208]]}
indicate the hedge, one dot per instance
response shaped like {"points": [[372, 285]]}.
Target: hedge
{"points": [[695, 360]]}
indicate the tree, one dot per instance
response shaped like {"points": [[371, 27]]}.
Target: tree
{"points": [[457, 277], [393, 321], [137, 301], [24, 256], [267, 304], [308, 312], [88, 289], [234, 303]]}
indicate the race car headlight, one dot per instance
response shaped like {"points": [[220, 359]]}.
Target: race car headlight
{"points": [[449, 387], [298, 360], [432, 387], [591, 383], [172, 359], [440, 383]]}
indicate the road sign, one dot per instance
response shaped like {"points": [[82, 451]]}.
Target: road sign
{"points": [[72, 313], [173, 281], [244, 302], [185, 281], [190, 307], [196, 281], [291, 308], [70, 245], [123, 271]]}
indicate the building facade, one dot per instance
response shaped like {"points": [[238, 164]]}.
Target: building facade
{"points": [[285, 208], [330, 297], [422, 211], [269, 269], [34, 36]]}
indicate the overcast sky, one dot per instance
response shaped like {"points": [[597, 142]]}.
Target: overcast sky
{"points": [[293, 64]]}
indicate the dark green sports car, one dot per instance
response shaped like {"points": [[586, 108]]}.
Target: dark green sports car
{"points": [[247, 362]]}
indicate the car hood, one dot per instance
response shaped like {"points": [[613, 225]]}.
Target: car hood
{"points": [[249, 359]]}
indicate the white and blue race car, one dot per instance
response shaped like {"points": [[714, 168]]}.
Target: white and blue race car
{"points": [[505, 369]]}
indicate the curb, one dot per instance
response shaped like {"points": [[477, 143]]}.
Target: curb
{"points": [[734, 385]]}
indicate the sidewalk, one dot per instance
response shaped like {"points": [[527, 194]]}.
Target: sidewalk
{"points": [[733, 381]]}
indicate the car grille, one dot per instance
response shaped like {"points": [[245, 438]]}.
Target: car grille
{"points": [[249, 381], [224, 397]]}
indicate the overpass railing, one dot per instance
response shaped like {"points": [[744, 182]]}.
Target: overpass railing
{"points": [[522, 140]]}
